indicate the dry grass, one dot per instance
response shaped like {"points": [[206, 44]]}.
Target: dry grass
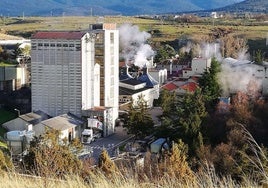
{"points": [[8, 37], [207, 178], [134, 177]]}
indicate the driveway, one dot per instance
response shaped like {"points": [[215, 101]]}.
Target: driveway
{"points": [[111, 143]]}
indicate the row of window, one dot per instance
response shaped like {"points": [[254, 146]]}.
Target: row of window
{"points": [[56, 45]]}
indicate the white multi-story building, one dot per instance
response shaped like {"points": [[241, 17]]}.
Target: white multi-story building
{"points": [[76, 71], [198, 66], [107, 57]]}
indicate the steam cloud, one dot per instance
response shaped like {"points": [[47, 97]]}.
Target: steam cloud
{"points": [[236, 75], [211, 50], [133, 44], [205, 50]]}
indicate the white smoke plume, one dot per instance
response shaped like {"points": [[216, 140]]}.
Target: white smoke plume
{"points": [[188, 47], [205, 50], [243, 55], [133, 45], [209, 50], [237, 75]]}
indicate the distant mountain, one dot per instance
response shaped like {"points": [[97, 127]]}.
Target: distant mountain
{"points": [[105, 7], [248, 6]]}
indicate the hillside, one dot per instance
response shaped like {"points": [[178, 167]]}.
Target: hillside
{"points": [[256, 6], [101, 7]]}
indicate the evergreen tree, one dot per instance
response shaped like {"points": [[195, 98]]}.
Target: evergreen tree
{"points": [[140, 122], [167, 102], [164, 52], [258, 58], [191, 113], [209, 84]]}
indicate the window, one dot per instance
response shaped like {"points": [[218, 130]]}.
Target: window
{"points": [[78, 47], [99, 38], [46, 44], [65, 45], [111, 38], [40, 44], [52, 45], [58, 45], [33, 46]]}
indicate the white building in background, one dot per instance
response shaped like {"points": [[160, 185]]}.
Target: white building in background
{"points": [[76, 71], [214, 15], [159, 75], [198, 66], [13, 77]]}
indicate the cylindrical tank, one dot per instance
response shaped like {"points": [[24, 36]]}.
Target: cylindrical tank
{"points": [[15, 135], [15, 141]]}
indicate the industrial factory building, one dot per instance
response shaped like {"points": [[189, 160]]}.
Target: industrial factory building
{"points": [[76, 72]]}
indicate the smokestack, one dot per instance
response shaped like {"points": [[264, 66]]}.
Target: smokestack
{"points": [[127, 72], [146, 78]]}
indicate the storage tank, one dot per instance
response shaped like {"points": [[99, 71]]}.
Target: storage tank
{"points": [[15, 135], [19, 140], [15, 141]]}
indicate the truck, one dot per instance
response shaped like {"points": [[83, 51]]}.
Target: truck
{"points": [[92, 132]]}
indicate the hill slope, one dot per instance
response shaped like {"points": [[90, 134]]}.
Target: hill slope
{"points": [[248, 6], [104, 7]]}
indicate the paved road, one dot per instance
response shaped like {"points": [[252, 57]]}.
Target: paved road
{"points": [[112, 142]]}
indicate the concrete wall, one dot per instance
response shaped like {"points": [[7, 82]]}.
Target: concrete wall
{"points": [[57, 76]]}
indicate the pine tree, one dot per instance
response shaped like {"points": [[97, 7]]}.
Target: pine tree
{"points": [[209, 84], [167, 102], [258, 57], [191, 113], [140, 122]]}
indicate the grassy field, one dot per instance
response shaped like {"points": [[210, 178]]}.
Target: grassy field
{"points": [[7, 63], [169, 30], [162, 31]]}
